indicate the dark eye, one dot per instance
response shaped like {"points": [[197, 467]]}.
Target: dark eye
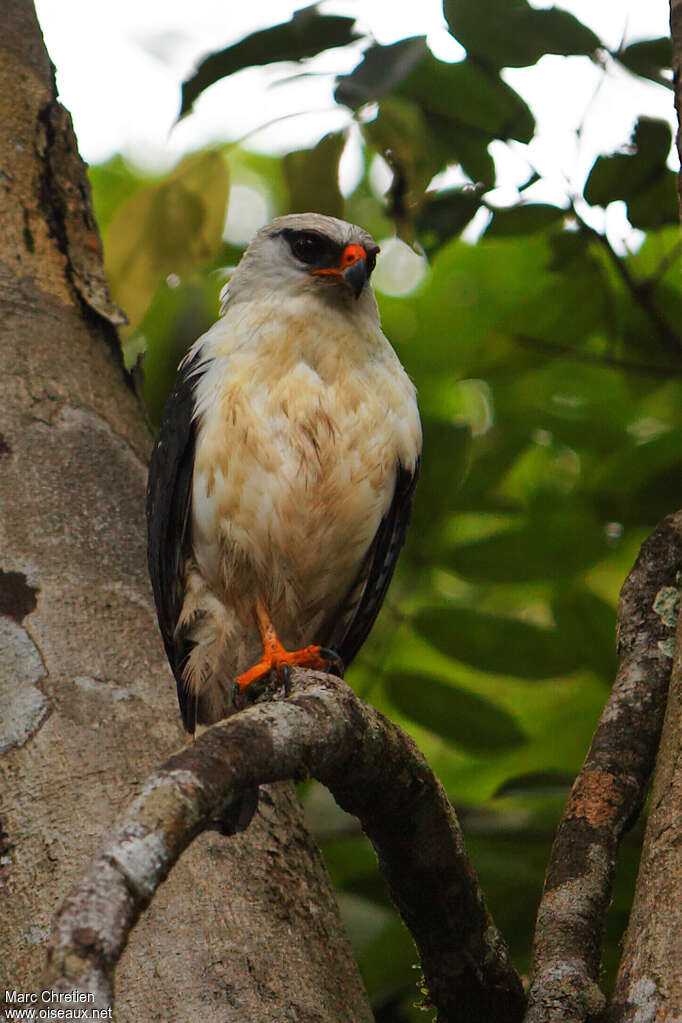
{"points": [[372, 258], [309, 248]]}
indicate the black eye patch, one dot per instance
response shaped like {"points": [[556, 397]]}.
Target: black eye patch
{"points": [[310, 248]]}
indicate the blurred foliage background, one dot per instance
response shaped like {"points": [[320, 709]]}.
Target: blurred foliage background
{"points": [[548, 363]]}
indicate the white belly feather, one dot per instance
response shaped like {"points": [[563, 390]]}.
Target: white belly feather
{"points": [[301, 425]]}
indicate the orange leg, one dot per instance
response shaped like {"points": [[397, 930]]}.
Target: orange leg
{"points": [[276, 658]]}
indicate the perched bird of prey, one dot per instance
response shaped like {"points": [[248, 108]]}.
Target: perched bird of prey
{"points": [[281, 481]]}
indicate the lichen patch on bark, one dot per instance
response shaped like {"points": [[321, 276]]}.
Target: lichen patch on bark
{"points": [[595, 797], [667, 605], [23, 707]]}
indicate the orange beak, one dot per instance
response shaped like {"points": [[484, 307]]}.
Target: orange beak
{"points": [[352, 271]]}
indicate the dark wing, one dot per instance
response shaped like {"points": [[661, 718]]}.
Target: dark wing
{"points": [[169, 502], [362, 604]]}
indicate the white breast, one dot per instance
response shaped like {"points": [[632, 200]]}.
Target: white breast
{"points": [[302, 421]]}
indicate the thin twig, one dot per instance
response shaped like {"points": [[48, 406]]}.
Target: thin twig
{"points": [[640, 291], [629, 365], [609, 791], [375, 771], [666, 264]]}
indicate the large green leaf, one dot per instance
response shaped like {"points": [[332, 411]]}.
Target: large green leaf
{"points": [[463, 718], [445, 214], [461, 107], [173, 321], [312, 177], [641, 178], [640, 481], [113, 183], [465, 95], [307, 34], [587, 621], [444, 460], [172, 226], [648, 58], [527, 218], [400, 128], [492, 643], [469, 147], [381, 69], [511, 33], [479, 299], [579, 405], [554, 543]]}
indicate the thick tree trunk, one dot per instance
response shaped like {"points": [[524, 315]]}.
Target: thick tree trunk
{"points": [[245, 928]]}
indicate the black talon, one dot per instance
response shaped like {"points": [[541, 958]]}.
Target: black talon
{"points": [[285, 678], [335, 665]]}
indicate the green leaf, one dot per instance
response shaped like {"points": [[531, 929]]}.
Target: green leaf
{"points": [[553, 544], [439, 112], [381, 69], [307, 34], [526, 218], [113, 183], [462, 717], [511, 33], [445, 458], [636, 484], [475, 297], [584, 619], [536, 783], [464, 107], [312, 177], [648, 58], [400, 127], [470, 148], [170, 227], [492, 643], [656, 205], [463, 95], [173, 320], [642, 178], [445, 214]]}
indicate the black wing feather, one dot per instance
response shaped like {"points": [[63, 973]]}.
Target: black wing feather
{"points": [[377, 570], [169, 502]]}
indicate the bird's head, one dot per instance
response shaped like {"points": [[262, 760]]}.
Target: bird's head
{"points": [[306, 252]]}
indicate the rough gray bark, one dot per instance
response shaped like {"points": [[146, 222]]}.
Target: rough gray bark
{"points": [[609, 791], [649, 984], [249, 926], [375, 771]]}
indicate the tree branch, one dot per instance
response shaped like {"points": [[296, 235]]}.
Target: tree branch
{"points": [[374, 770], [609, 791], [649, 981]]}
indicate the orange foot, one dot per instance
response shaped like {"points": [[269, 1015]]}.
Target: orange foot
{"points": [[276, 658]]}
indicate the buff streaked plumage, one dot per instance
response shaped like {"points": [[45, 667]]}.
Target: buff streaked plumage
{"points": [[304, 439]]}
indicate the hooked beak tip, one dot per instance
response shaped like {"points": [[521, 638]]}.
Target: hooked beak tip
{"points": [[356, 276]]}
